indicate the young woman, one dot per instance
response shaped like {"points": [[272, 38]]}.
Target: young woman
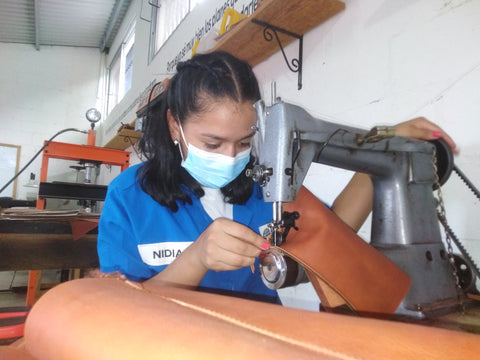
{"points": [[188, 216]]}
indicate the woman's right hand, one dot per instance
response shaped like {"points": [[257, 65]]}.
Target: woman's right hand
{"points": [[228, 245], [224, 245]]}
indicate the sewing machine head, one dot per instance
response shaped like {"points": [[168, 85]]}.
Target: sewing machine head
{"points": [[289, 139], [281, 167], [279, 170]]}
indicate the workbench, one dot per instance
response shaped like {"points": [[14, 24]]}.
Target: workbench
{"points": [[465, 321], [36, 240], [43, 240]]}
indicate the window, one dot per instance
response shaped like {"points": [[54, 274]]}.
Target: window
{"points": [[120, 71], [167, 15]]}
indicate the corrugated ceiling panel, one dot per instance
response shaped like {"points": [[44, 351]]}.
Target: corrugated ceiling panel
{"points": [[18, 17], [73, 23], [60, 22]]}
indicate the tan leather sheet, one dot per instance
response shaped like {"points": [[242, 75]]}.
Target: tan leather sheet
{"points": [[340, 265], [110, 319]]}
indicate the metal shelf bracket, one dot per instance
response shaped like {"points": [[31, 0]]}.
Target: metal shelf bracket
{"points": [[270, 32]]}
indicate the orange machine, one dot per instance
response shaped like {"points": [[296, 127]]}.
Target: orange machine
{"points": [[74, 152]]}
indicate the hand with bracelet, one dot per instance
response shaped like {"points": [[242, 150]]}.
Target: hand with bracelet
{"points": [[354, 203]]}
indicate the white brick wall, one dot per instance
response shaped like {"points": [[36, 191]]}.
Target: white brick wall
{"points": [[41, 93]]}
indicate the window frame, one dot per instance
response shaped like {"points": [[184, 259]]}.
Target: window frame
{"points": [[119, 60], [153, 50]]}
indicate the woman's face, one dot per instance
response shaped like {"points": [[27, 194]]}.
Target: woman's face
{"points": [[225, 127]]}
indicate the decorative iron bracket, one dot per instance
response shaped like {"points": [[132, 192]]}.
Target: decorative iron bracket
{"points": [[271, 31]]}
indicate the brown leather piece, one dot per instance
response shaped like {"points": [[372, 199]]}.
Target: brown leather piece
{"points": [[109, 319], [13, 353], [340, 265], [80, 227]]}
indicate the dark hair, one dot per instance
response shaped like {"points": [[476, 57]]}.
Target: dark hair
{"points": [[217, 75]]}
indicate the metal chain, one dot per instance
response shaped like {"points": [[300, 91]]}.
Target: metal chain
{"points": [[466, 256], [442, 216]]}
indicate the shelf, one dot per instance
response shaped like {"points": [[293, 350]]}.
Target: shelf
{"points": [[124, 138], [246, 40]]}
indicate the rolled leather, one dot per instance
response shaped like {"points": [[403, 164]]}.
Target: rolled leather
{"points": [[11, 352], [342, 267], [104, 318]]}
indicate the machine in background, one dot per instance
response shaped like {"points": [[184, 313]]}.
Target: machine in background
{"points": [[89, 157]]}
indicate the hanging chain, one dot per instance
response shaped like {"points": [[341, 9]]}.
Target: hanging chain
{"points": [[441, 215]]}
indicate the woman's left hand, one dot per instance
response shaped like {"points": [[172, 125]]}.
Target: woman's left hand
{"points": [[354, 203], [423, 129]]}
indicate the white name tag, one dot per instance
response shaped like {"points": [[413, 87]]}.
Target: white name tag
{"points": [[161, 253]]}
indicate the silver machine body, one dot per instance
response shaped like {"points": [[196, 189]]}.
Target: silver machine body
{"points": [[404, 227]]}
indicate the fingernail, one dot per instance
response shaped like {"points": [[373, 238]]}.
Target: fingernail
{"points": [[265, 245], [437, 134]]}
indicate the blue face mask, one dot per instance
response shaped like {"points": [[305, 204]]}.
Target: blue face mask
{"points": [[211, 169]]}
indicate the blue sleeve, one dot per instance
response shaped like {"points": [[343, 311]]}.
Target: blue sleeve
{"points": [[116, 243]]}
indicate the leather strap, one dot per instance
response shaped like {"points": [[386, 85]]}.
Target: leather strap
{"points": [[342, 267]]}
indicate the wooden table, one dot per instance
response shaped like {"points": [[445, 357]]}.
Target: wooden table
{"points": [[38, 240], [45, 244]]}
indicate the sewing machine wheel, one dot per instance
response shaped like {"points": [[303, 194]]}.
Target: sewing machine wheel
{"points": [[273, 268], [466, 275], [444, 161]]}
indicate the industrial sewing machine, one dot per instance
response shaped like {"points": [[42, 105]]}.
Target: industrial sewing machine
{"points": [[405, 227]]}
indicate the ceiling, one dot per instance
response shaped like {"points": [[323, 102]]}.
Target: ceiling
{"points": [[82, 23]]}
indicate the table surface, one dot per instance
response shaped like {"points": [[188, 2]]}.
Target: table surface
{"points": [[45, 243]]}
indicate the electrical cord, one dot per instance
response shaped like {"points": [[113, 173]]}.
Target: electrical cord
{"points": [[38, 153]]}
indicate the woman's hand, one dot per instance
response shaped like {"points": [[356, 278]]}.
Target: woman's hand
{"points": [[224, 245], [423, 129], [228, 245], [354, 203]]}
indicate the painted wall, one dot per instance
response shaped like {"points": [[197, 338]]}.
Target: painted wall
{"points": [[377, 62], [41, 93]]}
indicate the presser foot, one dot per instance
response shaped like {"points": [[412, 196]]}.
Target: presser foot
{"points": [[280, 229]]}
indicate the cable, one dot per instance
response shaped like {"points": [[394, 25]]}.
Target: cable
{"points": [[326, 142], [38, 153]]}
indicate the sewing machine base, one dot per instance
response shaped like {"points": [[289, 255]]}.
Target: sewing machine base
{"points": [[435, 310], [433, 290]]}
